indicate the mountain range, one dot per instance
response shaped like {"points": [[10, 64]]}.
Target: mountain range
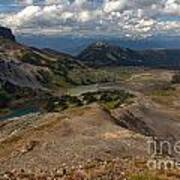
{"points": [[104, 54], [27, 69]]}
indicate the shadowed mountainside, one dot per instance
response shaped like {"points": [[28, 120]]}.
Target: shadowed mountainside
{"points": [[104, 54]]}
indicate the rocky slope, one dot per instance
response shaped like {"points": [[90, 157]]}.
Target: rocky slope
{"points": [[14, 54], [89, 142], [26, 70], [62, 140]]}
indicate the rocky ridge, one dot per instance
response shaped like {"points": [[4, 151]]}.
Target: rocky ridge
{"points": [[6, 33]]}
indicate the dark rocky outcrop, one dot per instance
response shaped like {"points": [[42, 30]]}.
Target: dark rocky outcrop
{"points": [[129, 121], [6, 33]]}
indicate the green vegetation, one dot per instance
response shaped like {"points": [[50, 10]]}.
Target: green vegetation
{"points": [[110, 99], [32, 58], [4, 111], [100, 75], [4, 98], [90, 77], [56, 104], [115, 98]]}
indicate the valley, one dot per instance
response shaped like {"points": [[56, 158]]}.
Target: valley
{"points": [[86, 117]]}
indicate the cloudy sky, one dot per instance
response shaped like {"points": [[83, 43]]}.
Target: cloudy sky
{"points": [[124, 18]]}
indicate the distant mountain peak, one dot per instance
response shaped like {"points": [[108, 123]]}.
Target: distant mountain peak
{"points": [[105, 54], [100, 44], [6, 33]]}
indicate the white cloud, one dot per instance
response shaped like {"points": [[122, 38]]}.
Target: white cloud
{"points": [[25, 1], [135, 18], [172, 7], [111, 6], [23, 17]]}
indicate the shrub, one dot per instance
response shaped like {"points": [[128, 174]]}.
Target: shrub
{"points": [[4, 98], [89, 98], [56, 104]]}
